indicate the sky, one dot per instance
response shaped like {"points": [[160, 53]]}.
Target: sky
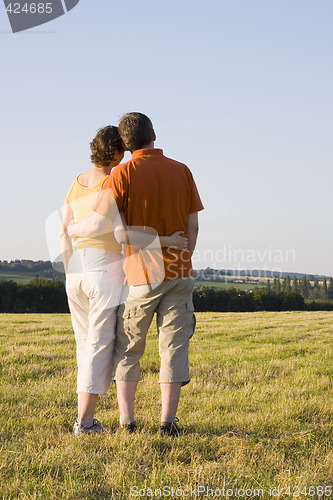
{"points": [[239, 90]]}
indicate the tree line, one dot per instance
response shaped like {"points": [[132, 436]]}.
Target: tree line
{"points": [[311, 290], [37, 296], [233, 300], [49, 296], [25, 265], [207, 299]]}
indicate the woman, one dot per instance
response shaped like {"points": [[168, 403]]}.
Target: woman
{"points": [[94, 278]]}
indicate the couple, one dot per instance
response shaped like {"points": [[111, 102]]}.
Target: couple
{"points": [[134, 208]]}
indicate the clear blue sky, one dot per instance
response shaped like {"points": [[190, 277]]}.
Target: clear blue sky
{"points": [[239, 90]]}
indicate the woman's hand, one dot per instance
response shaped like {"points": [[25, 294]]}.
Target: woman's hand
{"points": [[175, 240]]}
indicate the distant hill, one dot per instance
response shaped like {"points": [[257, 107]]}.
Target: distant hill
{"points": [[25, 270], [210, 274]]}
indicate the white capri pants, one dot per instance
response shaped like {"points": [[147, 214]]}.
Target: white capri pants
{"points": [[93, 285]]}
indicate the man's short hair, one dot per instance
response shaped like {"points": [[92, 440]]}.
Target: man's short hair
{"points": [[103, 147], [136, 131]]}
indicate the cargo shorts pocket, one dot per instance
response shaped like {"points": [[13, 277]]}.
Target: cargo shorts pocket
{"points": [[132, 328], [134, 319], [190, 319]]}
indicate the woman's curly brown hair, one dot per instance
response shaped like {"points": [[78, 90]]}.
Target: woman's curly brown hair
{"points": [[103, 147]]}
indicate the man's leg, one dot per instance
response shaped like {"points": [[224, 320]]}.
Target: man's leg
{"points": [[126, 398], [134, 319], [170, 394], [175, 322]]}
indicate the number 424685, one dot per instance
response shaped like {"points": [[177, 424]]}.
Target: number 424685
{"points": [[32, 8]]}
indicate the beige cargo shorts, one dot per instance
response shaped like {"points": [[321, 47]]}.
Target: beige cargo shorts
{"points": [[172, 302]]}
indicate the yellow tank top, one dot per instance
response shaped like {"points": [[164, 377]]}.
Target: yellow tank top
{"points": [[81, 199]]}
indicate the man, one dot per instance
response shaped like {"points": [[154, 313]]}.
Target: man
{"points": [[155, 192]]}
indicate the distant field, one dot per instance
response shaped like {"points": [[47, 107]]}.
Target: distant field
{"points": [[23, 277], [258, 413], [18, 277], [26, 277], [226, 286]]}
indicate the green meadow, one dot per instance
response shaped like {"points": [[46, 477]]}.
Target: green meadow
{"points": [[257, 417], [23, 278]]}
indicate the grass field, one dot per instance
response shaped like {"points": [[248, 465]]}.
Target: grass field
{"points": [[257, 415]]}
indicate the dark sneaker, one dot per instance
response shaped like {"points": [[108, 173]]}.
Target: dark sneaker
{"points": [[170, 429], [132, 427], [96, 428]]}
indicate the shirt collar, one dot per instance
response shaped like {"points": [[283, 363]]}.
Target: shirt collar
{"points": [[147, 152]]}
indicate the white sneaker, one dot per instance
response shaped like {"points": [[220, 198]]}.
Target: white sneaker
{"points": [[96, 428]]}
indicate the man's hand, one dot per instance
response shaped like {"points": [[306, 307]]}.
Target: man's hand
{"points": [[175, 240], [71, 229], [192, 228]]}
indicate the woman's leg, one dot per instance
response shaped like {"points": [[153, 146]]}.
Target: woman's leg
{"points": [[103, 287], [86, 406], [79, 307], [93, 302]]}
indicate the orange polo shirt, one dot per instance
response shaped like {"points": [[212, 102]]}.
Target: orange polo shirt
{"points": [[155, 192]]}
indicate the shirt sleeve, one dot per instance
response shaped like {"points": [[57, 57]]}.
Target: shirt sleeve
{"points": [[195, 200], [113, 196]]}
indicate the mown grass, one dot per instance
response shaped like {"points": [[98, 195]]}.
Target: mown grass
{"points": [[257, 414]]}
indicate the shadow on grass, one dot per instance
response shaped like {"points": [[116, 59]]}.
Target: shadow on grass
{"points": [[233, 433]]}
